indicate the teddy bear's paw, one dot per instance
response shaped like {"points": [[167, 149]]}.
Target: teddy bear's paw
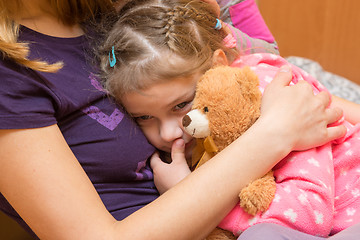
{"points": [[258, 195]]}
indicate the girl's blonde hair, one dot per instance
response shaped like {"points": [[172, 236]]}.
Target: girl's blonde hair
{"points": [[69, 12], [158, 40]]}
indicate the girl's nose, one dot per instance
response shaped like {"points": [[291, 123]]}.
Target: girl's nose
{"points": [[171, 130]]}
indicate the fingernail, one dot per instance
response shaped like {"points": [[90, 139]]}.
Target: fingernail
{"points": [[284, 68], [179, 143]]}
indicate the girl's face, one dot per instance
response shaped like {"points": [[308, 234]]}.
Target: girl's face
{"points": [[159, 111]]}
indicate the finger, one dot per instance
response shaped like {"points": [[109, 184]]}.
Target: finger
{"points": [[336, 132], [334, 114], [284, 76], [178, 150], [325, 98], [155, 160]]}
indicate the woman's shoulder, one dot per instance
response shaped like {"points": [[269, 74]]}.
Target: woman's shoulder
{"points": [[10, 70]]}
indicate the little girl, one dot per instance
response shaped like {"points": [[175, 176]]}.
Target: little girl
{"points": [[151, 62]]}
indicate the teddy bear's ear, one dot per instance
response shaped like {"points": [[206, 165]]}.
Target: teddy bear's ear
{"points": [[249, 75], [219, 58]]}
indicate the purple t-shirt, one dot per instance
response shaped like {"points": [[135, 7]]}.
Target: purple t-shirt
{"points": [[107, 143]]}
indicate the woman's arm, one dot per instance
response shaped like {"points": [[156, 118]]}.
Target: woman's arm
{"points": [[44, 182]]}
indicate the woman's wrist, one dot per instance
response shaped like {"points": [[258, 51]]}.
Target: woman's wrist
{"points": [[275, 136], [269, 141]]}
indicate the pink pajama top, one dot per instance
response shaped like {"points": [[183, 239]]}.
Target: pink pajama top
{"points": [[248, 26], [318, 190]]}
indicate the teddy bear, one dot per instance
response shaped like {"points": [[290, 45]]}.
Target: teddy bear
{"points": [[227, 102]]}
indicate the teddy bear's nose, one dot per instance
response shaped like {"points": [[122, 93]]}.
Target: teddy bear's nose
{"points": [[186, 121]]}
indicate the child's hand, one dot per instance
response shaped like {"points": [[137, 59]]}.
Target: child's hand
{"points": [[166, 175]]}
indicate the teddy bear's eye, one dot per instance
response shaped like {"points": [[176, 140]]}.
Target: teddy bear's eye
{"points": [[206, 109]]}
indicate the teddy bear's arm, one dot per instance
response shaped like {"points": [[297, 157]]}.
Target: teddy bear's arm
{"points": [[258, 195]]}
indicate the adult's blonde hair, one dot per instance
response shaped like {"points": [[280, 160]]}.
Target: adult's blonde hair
{"points": [[159, 40], [69, 12]]}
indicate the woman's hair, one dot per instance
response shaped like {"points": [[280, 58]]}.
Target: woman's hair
{"points": [[69, 12], [158, 40]]}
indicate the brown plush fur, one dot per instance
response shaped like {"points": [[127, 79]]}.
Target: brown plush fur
{"points": [[232, 100]]}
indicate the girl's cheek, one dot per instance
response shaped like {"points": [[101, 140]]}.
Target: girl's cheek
{"points": [[151, 135]]}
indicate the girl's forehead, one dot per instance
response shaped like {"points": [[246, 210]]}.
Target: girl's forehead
{"points": [[158, 86], [166, 94], [167, 88]]}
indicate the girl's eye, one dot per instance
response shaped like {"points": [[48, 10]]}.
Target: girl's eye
{"points": [[182, 105], [143, 118]]}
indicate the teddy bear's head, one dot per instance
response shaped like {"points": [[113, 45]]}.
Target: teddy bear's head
{"points": [[227, 103]]}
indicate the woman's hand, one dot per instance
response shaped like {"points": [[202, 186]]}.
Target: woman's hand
{"points": [[301, 117], [166, 175]]}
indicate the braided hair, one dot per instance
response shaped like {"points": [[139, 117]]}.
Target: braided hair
{"points": [[159, 40]]}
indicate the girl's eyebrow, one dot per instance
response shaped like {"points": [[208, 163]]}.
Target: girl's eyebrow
{"points": [[181, 98], [136, 114]]}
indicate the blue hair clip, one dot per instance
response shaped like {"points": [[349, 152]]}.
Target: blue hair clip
{"points": [[218, 24], [113, 60]]}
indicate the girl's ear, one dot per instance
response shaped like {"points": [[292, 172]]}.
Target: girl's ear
{"points": [[219, 58]]}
